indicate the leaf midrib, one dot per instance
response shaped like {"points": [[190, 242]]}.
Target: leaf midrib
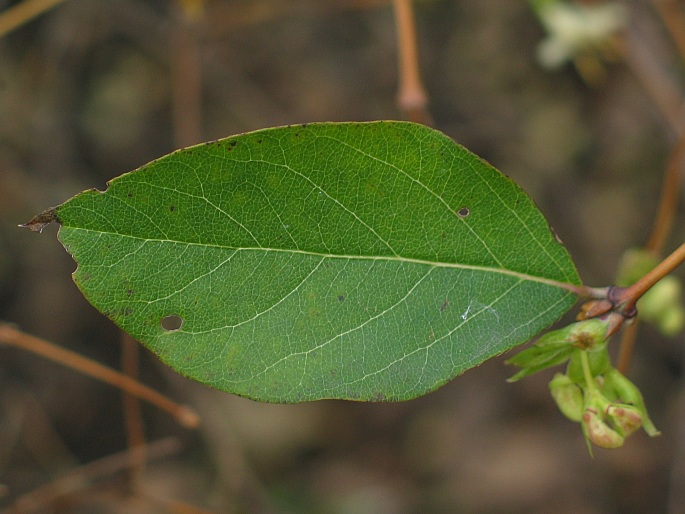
{"points": [[389, 258]]}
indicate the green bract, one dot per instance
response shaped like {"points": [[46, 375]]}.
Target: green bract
{"points": [[362, 261], [558, 346]]}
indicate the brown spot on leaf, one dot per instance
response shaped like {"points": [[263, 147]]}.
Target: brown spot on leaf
{"points": [[341, 298], [463, 212]]}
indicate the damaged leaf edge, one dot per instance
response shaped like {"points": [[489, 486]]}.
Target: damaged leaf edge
{"points": [[42, 220]]}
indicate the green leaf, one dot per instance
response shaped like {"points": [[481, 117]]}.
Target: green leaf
{"points": [[366, 261]]}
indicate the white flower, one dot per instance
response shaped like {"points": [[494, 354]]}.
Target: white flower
{"points": [[576, 28]]}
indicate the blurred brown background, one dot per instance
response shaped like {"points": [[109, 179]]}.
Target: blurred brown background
{"points": [[94, 88]]}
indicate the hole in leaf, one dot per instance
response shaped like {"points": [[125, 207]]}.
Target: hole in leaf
{"points": [[463, 212], [172, 323]]}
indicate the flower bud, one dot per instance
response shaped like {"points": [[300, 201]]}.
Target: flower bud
{"points": [[557, 346], [595, 427], [588, 334], [627, 392], [626, 418], [598, 432], [594, 308], [568, 397]]}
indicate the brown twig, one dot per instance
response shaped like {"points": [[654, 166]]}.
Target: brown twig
{"points": [[663, 223], [41, 438], [673, 18], [668, 203], [172, 506], [676, 493], [133, 419], [226, 17], [411, 96], [187, 75], [626, 297], [655, 80], [625, 351], [663, 91], [80, 478], [11, 336], [17, 15]]}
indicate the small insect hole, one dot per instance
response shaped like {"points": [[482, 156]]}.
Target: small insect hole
{"points": [[172, 323], [463, 212]]}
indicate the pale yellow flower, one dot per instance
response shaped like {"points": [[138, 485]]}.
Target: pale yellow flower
{"points": [[574, 29]]}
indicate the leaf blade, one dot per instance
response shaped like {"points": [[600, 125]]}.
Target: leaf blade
{"points": [[280, 248]]}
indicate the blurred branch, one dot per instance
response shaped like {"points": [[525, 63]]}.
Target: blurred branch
{"points": [[676, 493], [627, 344], [133, 419], [13, 337], [670, 192], [663, 90], [17, 15], [227, 16], [663, 224], [411, 96], [42, 439], [186, 77], [82, 477], [174, 506], [13, 411], [673, 18]]}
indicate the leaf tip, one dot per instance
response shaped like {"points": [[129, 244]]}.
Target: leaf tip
{"points": [[40, 221]]}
